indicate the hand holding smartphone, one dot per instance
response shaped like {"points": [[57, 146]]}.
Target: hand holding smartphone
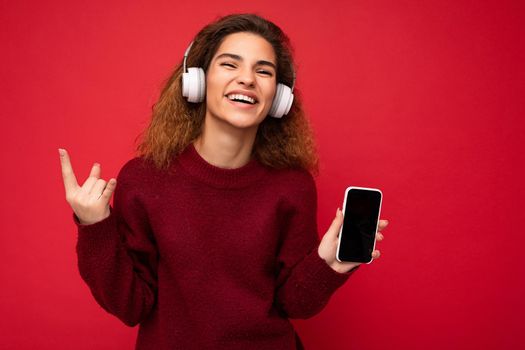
{"points": [[357, 237]]}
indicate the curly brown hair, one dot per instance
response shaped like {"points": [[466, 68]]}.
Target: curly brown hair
{"points": [[287, 142]]}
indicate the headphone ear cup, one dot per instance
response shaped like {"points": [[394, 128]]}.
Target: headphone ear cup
{"points": [[193, 85], [282, 102]]}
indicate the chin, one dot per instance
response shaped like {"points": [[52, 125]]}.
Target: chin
{"points": [[243, 122]]}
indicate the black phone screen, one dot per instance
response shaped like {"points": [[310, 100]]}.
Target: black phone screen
{"points": [[359, 225]]}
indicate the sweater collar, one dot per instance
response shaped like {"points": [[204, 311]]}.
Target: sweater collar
{"points": [[196, 166]]}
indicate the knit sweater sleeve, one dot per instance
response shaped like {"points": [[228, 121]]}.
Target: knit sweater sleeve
{"points": [[117, 257], [305, 281]]}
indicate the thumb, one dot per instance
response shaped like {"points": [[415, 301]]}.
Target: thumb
{"points": [[108, 191], [335, 227]]}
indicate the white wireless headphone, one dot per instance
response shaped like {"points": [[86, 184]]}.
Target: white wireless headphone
{"points": [[194, 89]]}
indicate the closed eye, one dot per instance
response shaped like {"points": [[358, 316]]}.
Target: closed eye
{"points": [[265, 72], [228, 65], [260, 71]]}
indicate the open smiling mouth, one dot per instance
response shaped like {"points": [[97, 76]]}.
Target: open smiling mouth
{"points": [[241, 98]]}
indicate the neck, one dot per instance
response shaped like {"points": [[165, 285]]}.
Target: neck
{"points": [[224, 145]]}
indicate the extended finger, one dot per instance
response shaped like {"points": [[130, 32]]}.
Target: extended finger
{"points": [[379, 236], [70, 181]]}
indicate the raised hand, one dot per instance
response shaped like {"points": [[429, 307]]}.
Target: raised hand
{"points": [[90, 202], [328, 246]]}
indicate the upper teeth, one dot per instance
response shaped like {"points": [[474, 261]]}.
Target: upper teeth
{"points": [[241, 97]]}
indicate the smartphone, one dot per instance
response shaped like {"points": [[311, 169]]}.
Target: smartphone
{"points": [[357, 237]]}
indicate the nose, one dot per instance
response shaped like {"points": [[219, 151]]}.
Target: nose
{"points": [[246, 77]]}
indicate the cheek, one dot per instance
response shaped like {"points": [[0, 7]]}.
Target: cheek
{"points": [[214, 94], [270, 91], [216, 82], [211, 87], [267, 88]]}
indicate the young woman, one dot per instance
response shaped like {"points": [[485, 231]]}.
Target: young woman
{"points": [[211, 242]]}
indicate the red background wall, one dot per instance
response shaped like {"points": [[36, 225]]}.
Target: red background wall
{"points": [[423, 99]]}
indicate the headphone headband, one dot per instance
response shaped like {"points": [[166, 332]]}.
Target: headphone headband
{"points": [[186, 56]]}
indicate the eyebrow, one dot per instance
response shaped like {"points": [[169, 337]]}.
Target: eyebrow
{"points": [[239, 58]]}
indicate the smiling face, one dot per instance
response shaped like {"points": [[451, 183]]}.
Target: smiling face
{"points": [[241, 80]]}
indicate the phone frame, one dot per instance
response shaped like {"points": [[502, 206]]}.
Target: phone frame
{"points": [[344, 210]]}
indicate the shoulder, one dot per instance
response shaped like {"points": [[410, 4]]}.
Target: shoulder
{"points": [[137, 170], [294, 184], [132, 168], [290, 175]]}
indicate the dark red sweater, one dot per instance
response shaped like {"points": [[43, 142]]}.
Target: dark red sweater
{"points": [[208, 258]]}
